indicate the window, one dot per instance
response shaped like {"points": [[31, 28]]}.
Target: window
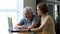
{"points": [[4, 21], [58, 0], [10, 8], [8, 4], [56, 13]]}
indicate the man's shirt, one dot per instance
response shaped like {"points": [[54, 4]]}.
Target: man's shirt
{"points": [[27, 22]]}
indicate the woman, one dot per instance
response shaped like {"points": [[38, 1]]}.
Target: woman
{"points": [[47, 24]]}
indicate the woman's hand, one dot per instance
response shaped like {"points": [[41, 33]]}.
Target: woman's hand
{"points": [[24, 30]]}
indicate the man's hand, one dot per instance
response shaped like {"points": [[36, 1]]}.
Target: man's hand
{"points": [[23, 26]]}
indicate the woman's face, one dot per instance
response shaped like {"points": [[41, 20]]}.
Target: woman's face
{"points": [[39, 11]]}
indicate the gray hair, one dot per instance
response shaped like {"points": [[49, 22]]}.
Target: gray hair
{"points": [[30, 9]]}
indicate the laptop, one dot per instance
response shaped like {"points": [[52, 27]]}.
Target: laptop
{"points": [[11, 25]]}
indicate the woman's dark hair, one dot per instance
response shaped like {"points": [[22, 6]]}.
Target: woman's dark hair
{"points": [[43, 7]]}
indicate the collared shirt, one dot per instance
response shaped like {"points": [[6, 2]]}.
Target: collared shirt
{"points": [[27, 22]]}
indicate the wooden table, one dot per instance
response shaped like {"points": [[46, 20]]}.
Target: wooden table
{"points": [[28, 33]]}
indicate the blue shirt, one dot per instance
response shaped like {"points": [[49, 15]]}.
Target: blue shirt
{"points": [[35, 19]]}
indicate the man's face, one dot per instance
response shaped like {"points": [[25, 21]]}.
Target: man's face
{"points": [[27, 14]]}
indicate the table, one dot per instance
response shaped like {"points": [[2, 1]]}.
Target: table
{"points": [[28, 33]]}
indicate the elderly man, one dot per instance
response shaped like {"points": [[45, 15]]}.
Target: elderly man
{"points": [[30, 20]]}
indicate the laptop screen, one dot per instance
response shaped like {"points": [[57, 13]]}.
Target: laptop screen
{"points": [[10, 23]]}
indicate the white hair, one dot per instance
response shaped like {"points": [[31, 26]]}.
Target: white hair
{"points": [[30, 9]]}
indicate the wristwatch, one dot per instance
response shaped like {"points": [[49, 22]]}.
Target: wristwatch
{"points": [[29, 30]]}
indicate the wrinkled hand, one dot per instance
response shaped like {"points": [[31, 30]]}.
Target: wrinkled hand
{"points": [[24, 27]]}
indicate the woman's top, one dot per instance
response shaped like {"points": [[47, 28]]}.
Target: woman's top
{"points": [[50, 27]]}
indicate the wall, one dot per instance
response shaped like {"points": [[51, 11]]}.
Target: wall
{"points": [[31, 3]]}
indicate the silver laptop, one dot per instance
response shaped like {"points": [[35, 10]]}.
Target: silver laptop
{"points": [[11, 25]]}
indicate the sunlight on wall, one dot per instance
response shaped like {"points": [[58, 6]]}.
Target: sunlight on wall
{"points": [[56, 13]]}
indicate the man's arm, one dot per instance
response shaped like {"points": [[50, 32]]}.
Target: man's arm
{"points": [[35, 21], [20, 24], [32, 25]]}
